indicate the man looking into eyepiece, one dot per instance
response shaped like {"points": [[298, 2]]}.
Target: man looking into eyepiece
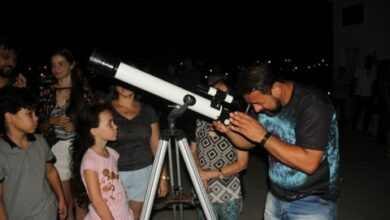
{"points": [[297, 126]]}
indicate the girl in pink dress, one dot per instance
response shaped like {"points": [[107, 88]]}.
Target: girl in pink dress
{"points": [[95, 167]]}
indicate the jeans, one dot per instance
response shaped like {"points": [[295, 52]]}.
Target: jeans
{"points": [[310, 208]]}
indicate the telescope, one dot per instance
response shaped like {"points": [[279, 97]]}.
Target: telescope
{"points": [[218, 96], [113, 67]]}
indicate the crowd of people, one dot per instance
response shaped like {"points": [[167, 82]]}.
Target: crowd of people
{"points": [[67, 154]]}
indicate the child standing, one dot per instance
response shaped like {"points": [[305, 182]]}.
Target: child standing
{"points": [[95, 166], [27, 174]]}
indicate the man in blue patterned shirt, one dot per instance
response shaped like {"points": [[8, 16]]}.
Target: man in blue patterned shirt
{"points": [[297, 126]]}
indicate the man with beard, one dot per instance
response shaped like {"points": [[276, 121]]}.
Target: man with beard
{"points": [[297, 126], [8, 58]]}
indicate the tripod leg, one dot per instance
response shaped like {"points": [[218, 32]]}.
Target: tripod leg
{"points": [[154, 179], [178, 170], [196, 180], [172, 179]]}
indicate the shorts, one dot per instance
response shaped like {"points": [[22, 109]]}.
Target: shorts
{"points": [[136, 183], [61, 152]]}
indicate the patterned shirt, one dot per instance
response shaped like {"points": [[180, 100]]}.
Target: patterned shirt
{"points": [[60, 131], [47, 102], [215, 151], [309, 121]]}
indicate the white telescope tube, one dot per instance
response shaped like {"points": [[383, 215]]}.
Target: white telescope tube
{"points": [[128, 74], [165, 90]]}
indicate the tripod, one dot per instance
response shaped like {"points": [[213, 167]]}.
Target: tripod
{"points": [[182, 144]]}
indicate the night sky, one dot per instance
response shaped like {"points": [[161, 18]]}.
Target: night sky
{"points": [[234, 33]]}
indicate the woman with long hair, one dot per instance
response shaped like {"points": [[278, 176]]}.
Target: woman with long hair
{"points": [[60, 103]]}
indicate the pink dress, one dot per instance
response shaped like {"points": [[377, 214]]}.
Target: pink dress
{"points": [[111, 187]]}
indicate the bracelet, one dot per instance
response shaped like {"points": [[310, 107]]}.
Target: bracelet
{"points": [[265, 139], [163, 177]]}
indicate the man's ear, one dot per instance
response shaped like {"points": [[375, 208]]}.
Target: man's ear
{"points": [[276, 89]]}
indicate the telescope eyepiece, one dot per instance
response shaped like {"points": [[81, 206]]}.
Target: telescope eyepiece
{"points": [[103, 64]]}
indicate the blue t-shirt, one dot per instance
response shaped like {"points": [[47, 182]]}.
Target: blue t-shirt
{"points": [[309, 121]]}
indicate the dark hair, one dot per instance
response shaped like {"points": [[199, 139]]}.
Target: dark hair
{"points": [[87, 119], [9, 44], [137, 92], [76, 100], [13, 100], [258, 77], [215, 78]]}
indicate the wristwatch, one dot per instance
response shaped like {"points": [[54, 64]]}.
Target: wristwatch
{"points": [[221, 176]]}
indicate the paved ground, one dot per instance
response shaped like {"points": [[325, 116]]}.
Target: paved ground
{"points": [[365, 193]]}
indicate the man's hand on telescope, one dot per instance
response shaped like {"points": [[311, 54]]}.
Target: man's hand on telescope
{"points": [[238, 138], [247, 126], [221, 127]]}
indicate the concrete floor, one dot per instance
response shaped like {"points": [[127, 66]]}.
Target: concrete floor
{"points": [[365, 192]]}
